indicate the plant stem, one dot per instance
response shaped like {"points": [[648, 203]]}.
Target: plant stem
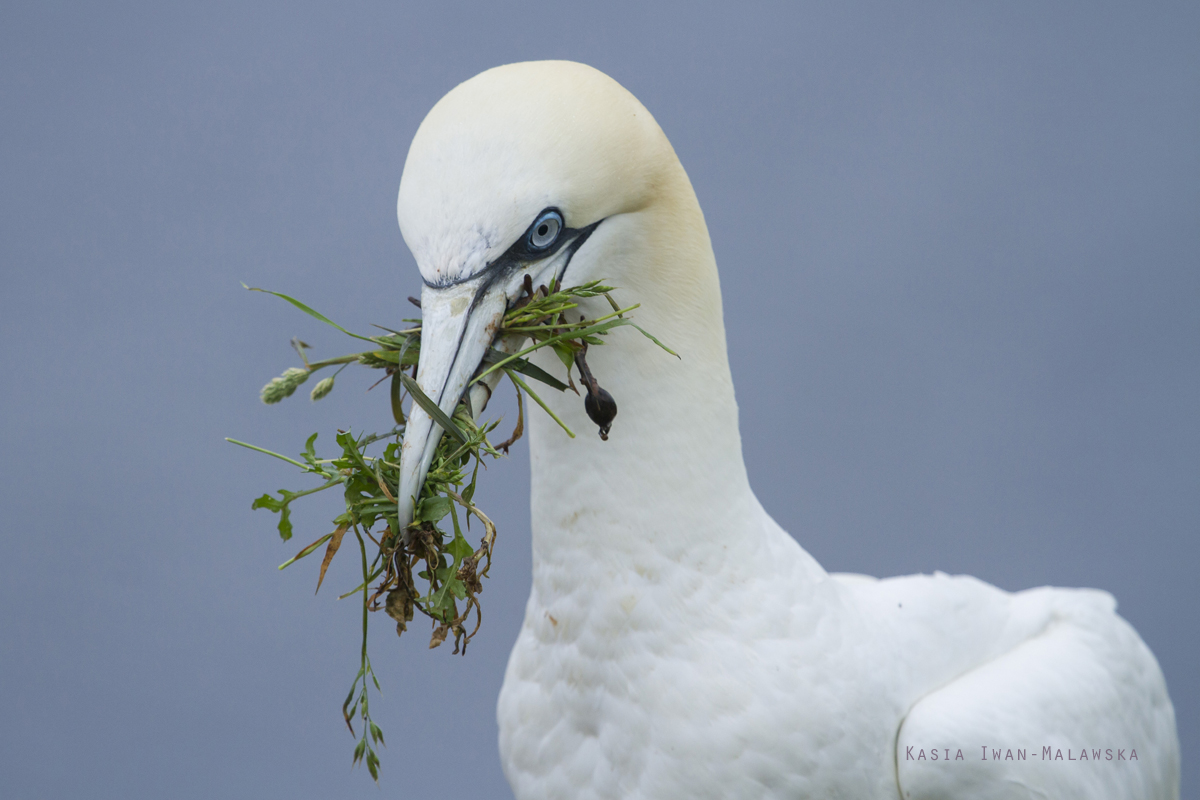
{"points": [[268, 452], [596, 327], [513, 377], [329, 362]]}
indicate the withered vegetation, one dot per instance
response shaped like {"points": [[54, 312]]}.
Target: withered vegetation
{"points": [[430, 567]]}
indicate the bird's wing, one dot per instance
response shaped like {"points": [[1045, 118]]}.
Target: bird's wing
{"points": [[1078, 711]]}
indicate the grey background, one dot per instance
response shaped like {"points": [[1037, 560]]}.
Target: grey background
{"points": [[959, 257]]}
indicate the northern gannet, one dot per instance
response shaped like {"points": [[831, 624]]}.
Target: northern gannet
{"points": [[677, 642]]}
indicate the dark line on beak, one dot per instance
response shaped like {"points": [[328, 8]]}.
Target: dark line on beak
{"points": [[577, 243], [502, 268], [515, 256]]}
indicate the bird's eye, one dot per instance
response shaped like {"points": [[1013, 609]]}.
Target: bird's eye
{"points": [[545, 229]]}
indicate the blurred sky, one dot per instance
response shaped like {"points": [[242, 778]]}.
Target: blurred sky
{"points": [[959, 250]]}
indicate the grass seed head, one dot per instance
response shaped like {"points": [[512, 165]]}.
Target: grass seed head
{"points": [[323, 387], [283, 386]]}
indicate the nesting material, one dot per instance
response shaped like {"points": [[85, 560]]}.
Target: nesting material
{"points": [[430, 567]]}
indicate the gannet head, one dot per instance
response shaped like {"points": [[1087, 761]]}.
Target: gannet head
{"points": [[509, 176]]}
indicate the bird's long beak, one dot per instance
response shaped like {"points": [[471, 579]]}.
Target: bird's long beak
{"points": [[458, 324]]}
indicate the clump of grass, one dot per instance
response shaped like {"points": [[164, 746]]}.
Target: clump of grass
{"points": [[429, 567]]}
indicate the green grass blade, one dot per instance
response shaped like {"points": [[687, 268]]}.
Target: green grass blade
{"points": [[562, 337], [657, 342], [310, 311], [306, 551], [431, 408], [525, 368], [513, 377]]}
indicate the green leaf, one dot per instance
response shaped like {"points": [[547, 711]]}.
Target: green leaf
{"points": [[279, 507], [526, 368], [431, 408], [285, 522], [460, 548], [310, 453], [352, 451], [390, 356], [565, 353], [432, 509], [397, 410], [267, 502]]}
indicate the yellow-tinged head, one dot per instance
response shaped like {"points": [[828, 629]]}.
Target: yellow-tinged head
{"points": [[548, 171], [514, 141]]}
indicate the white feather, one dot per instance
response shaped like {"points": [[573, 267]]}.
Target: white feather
{"points": [[677, 642]]}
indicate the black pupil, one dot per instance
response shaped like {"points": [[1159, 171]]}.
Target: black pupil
{"points": [[543, 229]]}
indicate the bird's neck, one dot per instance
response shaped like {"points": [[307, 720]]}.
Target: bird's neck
{"points": [[669, 486]]}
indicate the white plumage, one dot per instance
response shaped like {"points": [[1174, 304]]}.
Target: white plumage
{"points": [[677, 642]]}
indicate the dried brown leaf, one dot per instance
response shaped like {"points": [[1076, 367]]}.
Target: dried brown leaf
{"points": [[399, 606], [519, 430], [439, 635], [330, 552]]}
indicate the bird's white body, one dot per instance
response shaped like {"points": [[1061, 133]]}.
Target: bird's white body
{"points": [[779, 681], [677, 642]]}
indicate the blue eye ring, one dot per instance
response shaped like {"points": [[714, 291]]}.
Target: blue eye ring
{"points": [[545, 230]]}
